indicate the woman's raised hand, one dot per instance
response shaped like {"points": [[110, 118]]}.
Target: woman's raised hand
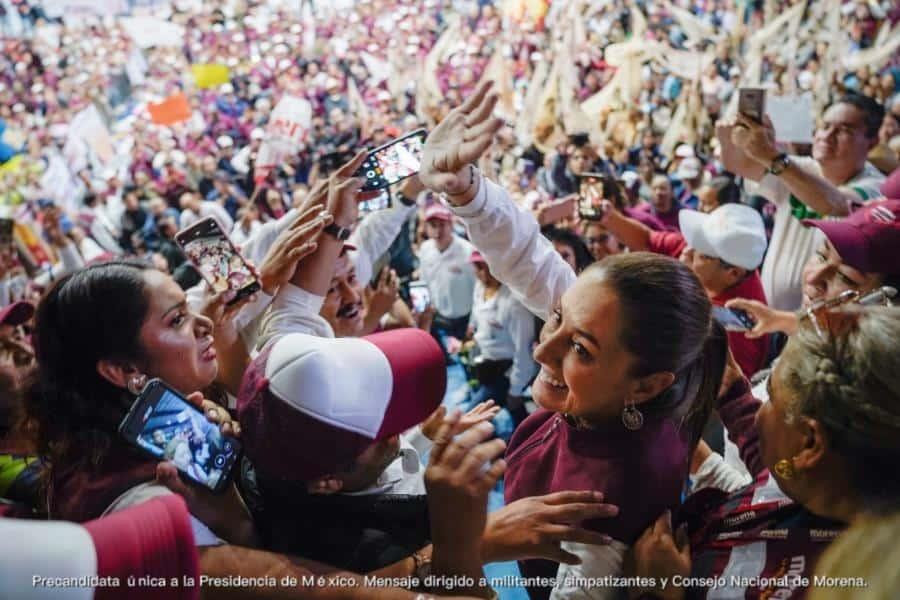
{"points": [[460, 139]]}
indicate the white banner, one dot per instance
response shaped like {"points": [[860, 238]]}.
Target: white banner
{"points": [[792, 117], [150, 31], [288, 127]]}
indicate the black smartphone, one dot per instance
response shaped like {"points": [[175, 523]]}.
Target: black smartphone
{"points": [[163, 424], [419, 295], [379, 202], [752, 103], [590, 192], [6, 231], [216, 258], [393, 162], [733, 319]]}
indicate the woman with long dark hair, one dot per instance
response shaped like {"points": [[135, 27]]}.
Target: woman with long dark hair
{"points": [[630, 359]]}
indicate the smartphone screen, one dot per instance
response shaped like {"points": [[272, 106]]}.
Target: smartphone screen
{"points": [[590, 193], [419, 296], [393, 162], [219, 263], [732, 319], [752, 103], [168, 427], [380, 202]]}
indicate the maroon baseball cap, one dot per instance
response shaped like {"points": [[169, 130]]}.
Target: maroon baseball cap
{"points": [[438, 211], [869, 239], [311, 405], [890, 187], [152, 540], [16, 313]]}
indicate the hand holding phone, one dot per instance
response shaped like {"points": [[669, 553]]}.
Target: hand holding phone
{"points": [[218, 261], [393, 162], [165, 425]]}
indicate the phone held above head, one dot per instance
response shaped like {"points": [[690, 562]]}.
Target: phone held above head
{"points": [[213, 254], [393, 162], [752, 103], [591, 193]]}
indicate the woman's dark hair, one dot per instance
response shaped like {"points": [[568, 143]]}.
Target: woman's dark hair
{"points": [[666, 324], [583, 257], [727, 191], [93, 314]]}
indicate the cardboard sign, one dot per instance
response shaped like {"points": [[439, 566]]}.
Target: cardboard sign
{"points": [[210, 75], [792, 117], [287, 129], [173, 109]]}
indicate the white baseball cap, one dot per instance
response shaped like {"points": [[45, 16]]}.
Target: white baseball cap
{"points": [[689, 168], [734, 233]]}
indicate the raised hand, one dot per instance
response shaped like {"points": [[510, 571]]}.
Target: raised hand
{"points": [[343, 188], [292, 245], [459, 140], [766, 319]]}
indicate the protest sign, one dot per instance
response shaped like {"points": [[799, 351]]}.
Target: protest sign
{"points": [[792, 117], [210, 75], [148, 32], [287, 129], [173, 109]]}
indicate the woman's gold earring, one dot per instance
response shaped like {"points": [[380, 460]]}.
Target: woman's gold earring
{"points": [[784, 469], [137, 383]]}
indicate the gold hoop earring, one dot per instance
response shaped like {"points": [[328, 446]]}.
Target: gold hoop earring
{"points": [[136, 383], [632, 418], [784, 469]]}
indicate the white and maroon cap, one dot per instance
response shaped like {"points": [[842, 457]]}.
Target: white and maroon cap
{"points": [[310, 405], [152, 540]]}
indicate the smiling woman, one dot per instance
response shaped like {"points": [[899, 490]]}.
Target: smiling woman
{"points": [[630, 359]]}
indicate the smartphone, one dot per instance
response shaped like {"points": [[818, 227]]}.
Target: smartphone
{"points": [[419, 295], [6, 231], [590, 193], [380, 202], [393, 162], [733, 319], [164, 425], [216, 258], [752, 103]]}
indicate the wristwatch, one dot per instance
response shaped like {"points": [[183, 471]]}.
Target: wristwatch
{"points": [[337, 232], [779, 164], [404, 200]]}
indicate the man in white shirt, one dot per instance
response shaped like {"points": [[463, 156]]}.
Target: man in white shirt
{"points": [[194, 209], [444, 265], [831, 182]]}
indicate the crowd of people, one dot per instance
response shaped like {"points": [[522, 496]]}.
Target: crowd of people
{"points": [[656, 330]]}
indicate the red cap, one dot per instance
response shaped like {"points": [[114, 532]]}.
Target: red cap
{"points": [[310, 405], [438, 211], [869, 239], [16, 313], [153, 538]]}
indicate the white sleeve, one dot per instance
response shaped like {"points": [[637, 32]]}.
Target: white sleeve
{"points": [[716, 473], [518, 255], [139, 494], [294, 310], [521, 329], [418, 440], [70, 260], [580, 582], [375, 235]]}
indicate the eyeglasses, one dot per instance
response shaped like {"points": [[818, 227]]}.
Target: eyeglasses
{"points": [[818, 312]]}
